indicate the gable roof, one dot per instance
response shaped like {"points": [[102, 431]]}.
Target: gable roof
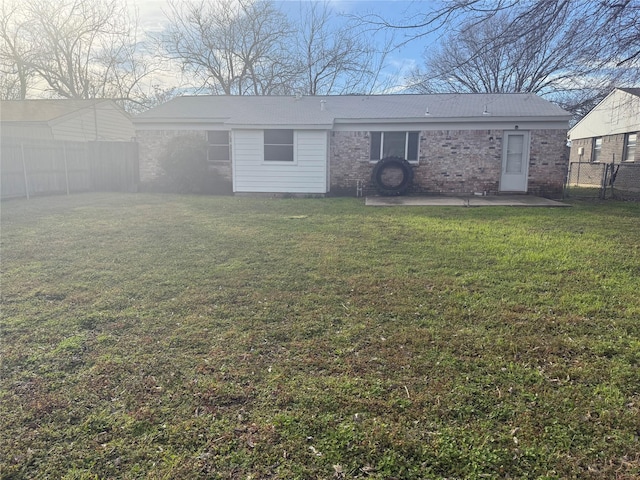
{"points": [[43, 110], [617, 113], [328, 110], [632, 91]]}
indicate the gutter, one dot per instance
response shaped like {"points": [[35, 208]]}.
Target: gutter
{"points": [[435, 119]]}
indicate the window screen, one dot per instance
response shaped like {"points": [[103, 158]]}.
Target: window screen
{"points": [[278, 146], [218, 149]]}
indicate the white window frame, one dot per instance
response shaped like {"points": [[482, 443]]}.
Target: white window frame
{"points": [[228, 145], [596, 151], [406, 145], [627, 141]]}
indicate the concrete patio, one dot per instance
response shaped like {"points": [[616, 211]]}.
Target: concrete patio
{"points": [[467, 201]]}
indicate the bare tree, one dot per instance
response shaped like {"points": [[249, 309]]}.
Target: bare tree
{"points": [[230, 46], [336, 57], [74, 48], [265, 50], [153, 96], [475, 59], [249, 47], [546, 47], [611, 28], [15, 72]]}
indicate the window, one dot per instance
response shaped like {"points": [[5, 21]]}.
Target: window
{"points": [[597, 149], [630, 147], [278, 145], [395, 144], [218, 150]]}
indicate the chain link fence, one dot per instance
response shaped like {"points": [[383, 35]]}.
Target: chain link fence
{"points": [[620, 181], [625, 181]]}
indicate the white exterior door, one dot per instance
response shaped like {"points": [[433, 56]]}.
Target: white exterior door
{"points": [[515, 162]]}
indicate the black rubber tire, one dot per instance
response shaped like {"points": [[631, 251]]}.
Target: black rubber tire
{"points": [[392, 190]]}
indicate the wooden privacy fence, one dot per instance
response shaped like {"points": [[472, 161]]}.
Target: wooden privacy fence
{"points": [[42, 167]]}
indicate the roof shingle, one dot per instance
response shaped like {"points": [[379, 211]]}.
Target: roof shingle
{"points": [[325, 110]]}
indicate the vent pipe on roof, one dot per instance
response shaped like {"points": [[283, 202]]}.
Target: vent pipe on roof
{"points": [[426, 114], [486, 112], [322, 105]]}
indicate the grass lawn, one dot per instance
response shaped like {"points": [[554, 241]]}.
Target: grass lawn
{"points": [[179, 337]]}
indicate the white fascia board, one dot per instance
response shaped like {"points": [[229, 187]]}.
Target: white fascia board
{"points": [[287, 126]]}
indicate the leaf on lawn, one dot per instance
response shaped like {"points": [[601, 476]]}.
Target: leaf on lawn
{"points": [[315, 452]]}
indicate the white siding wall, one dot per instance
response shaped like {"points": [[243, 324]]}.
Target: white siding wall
{"points": [[113, 125], [30, 131], [618, 113], [306, 174]]}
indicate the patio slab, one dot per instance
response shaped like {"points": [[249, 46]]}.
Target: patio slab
{"points": [[468, 201]]}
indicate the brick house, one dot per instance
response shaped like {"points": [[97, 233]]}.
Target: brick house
{"points": [[609, 132], [454, 143]]}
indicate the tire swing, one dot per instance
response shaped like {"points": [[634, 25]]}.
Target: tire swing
{"points": [[386, 179]]}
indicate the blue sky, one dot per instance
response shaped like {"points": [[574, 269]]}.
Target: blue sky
{"points": [[400, 61], [395, 11]]}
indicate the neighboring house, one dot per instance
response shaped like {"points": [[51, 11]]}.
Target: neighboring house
{"points": [[456, 143], [609, 132], [72, 120]]}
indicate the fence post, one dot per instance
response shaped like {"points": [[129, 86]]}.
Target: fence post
{"points": [[24, 171], [603, 185], [567, 182], [66, 169]]}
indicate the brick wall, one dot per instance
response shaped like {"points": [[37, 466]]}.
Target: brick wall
{"points": [[459, 162], [587, 149], [349, 162], [453, 162], [548, 162], [612, 149], [152, 144]]}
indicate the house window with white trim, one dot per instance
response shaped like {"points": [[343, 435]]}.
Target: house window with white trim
{"points": [[218, 146], [395, 144], [597, 149], [630, 147], [278, 145]]}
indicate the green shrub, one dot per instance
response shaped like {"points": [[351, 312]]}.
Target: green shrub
{"points": [[185, 163]]}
